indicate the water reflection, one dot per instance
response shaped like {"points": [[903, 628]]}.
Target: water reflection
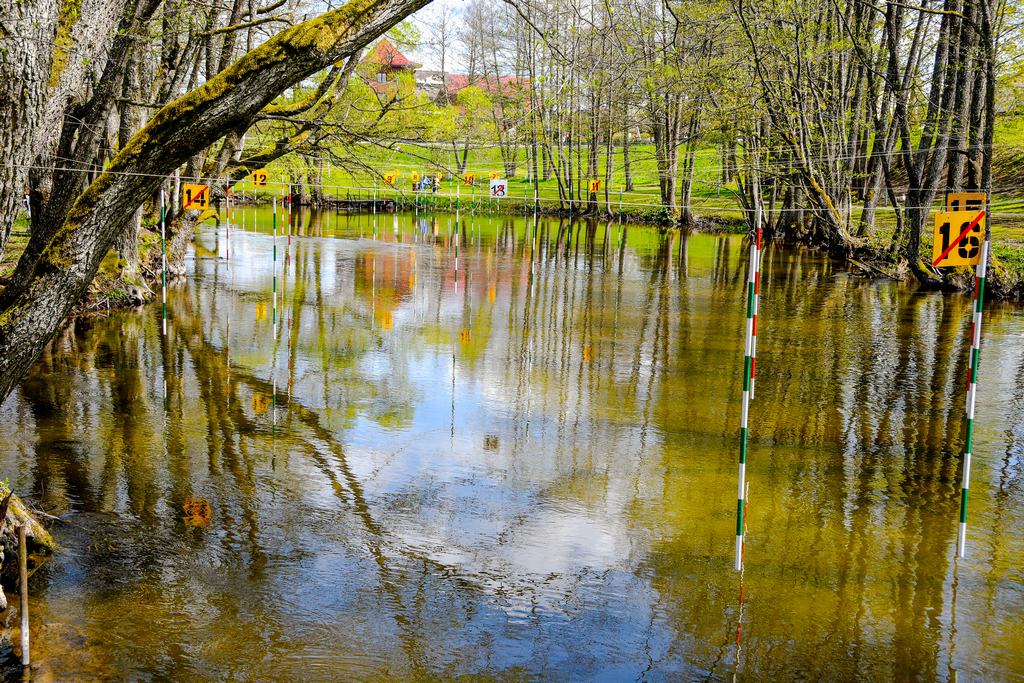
{"points": [[506, 447]]}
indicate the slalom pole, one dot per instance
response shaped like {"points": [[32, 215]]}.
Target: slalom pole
{"points": [[457, 197], [163, 258], [747, 362], [972, 391], [757, 297], [620, 209], [230, 217], [274, 263], [739, 620]]}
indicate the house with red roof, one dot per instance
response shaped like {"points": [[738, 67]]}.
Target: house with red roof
{"points": [[507, 86], [384, 63]]}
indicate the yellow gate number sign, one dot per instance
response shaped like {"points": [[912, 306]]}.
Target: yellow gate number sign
{"points": [[495, 175], [594, 185], [958, 238], [469, 178], [414, 176], [966, 201], [390, 178], [195, 196], [259, 178]]}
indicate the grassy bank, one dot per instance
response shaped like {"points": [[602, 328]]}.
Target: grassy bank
{"points": [[112, 287]]}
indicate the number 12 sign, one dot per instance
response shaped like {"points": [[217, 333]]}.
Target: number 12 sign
{"points": [[958, 238], [499, 188]]}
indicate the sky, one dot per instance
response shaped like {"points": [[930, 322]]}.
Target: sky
{"points": [[425, 55]]}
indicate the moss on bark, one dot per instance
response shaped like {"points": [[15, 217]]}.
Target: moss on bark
{"points": [[70, 11]]}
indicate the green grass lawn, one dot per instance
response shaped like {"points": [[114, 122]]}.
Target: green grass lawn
{"points": [[709, 197]]}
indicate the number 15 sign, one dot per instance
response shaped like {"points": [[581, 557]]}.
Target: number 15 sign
{"points": [[958, 238]]}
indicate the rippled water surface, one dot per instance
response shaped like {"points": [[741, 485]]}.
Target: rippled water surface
{"points": [[514, 457]]}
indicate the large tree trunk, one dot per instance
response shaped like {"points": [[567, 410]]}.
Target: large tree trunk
{"points": [[48, 53], [24, 69], [77, 113], [127, 242], [31, 313]]}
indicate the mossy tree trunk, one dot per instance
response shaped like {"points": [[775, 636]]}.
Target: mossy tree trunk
{"points": [[24, 72], [308, 114], [72, 123], [49, 50], [31, 312]]}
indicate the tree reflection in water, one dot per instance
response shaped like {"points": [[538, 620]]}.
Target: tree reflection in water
{"points": [[525, 468]]}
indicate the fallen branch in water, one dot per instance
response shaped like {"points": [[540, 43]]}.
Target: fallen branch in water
{"points": [[871, 268]]}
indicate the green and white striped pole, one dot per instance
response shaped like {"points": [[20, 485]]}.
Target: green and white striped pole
{"points": [[163, 258], [620, 214], [747, 365], [972, 391]]}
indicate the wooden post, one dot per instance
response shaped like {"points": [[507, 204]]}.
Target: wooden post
{"points": [[23, 575]]}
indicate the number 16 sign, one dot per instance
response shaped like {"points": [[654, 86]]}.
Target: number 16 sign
{"points": [[958, 238]]}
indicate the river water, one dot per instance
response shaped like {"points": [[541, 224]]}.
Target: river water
{"points": [[515, 458]]}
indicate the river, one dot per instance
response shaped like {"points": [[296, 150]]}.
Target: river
{"points": [[515, 458]]}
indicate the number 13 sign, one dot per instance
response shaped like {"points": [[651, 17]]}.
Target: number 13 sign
{"points": [[499, 188], [958, 238]]}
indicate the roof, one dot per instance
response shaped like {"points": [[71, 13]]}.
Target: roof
{"points": [[507, 85], [386, 54]]}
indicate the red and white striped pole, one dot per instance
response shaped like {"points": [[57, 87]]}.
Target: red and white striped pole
{"points": [[757, 295], [230, 217], [972, 391]]}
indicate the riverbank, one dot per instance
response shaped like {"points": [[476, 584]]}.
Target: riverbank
{"points": [[114, 286]]}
